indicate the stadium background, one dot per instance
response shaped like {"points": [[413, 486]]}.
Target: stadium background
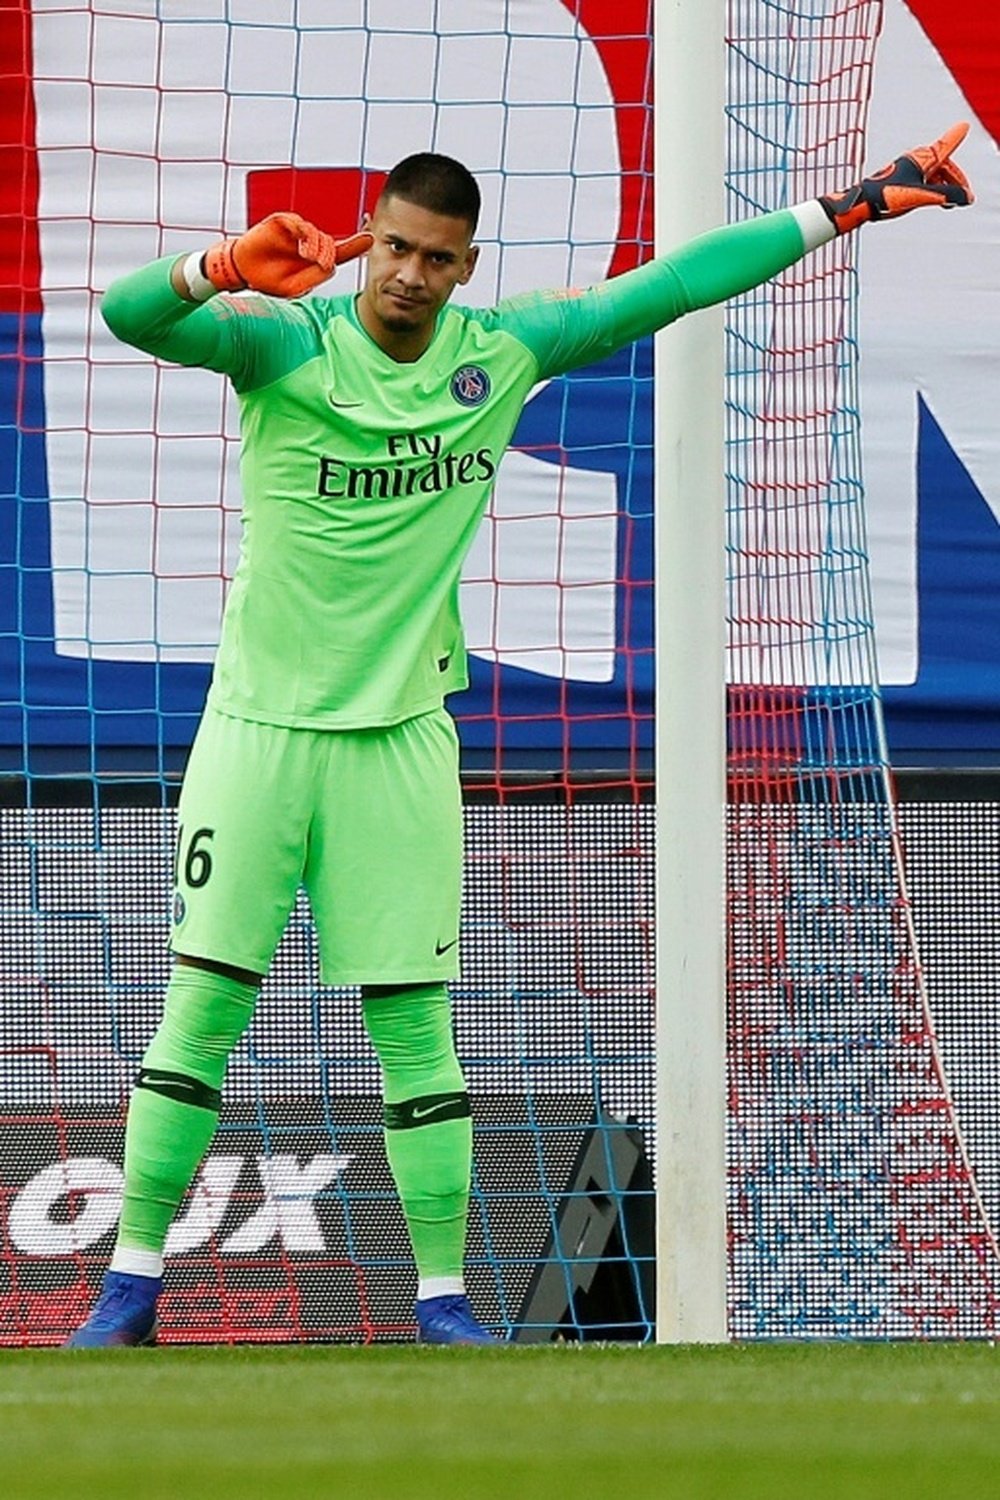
{"points": [[114, 550]]}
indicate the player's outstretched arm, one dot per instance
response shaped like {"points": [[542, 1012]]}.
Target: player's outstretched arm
{"points": [[925, 177], [565, 332], [283, 255]]}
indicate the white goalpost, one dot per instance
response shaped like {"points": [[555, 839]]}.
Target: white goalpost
{"points": [[690, 697]]}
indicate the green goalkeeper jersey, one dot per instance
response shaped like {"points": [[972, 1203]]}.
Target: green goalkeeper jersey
{"points": [[364, 479]]}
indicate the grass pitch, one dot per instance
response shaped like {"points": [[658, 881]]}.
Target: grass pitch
{"points": [[563, 1423]]}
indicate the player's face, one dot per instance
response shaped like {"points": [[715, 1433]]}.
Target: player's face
{"points": [[416, 262]]}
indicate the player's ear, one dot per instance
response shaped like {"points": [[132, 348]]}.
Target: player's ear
{"points": [[469, 265]]}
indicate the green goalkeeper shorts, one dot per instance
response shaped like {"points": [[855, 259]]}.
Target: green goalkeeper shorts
{"points": [[369, 821]]}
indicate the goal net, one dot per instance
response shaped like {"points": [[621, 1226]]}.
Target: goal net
{"points": [[146, 127], [138, 129], [853, 1209]]}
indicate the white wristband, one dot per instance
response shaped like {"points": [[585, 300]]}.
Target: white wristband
{"points": [[814, 224], [198, 285]]}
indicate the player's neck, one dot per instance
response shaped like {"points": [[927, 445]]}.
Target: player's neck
{"points": [[404, 346]]}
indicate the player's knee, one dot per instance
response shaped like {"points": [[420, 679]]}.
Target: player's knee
{"points": [[205, 1014], [410, 1028]]}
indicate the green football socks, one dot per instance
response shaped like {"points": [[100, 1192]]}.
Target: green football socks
{"points": [[428, 1127], [175, 1107]]}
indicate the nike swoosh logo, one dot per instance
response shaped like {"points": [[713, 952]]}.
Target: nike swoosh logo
{"points": [[439, 948], [341, 405], [175, 1082], [430, 1109]]}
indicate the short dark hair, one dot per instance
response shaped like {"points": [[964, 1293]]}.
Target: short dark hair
{"points": [[437, 183]]}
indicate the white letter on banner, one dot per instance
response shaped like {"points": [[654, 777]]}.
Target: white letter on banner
{"points": [[94, 1187], [142, 461], [287, 1210], [209, 1201], [951, 362]]}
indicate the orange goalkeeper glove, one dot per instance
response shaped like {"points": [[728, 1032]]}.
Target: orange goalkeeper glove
{"points": [[924, 176], [284, 255]]}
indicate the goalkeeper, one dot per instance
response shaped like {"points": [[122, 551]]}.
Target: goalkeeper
{"points": [[372, 428]]}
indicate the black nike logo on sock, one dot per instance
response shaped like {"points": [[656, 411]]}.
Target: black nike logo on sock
{"points": [[440, 948]]}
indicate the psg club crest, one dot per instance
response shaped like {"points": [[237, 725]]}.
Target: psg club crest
{"points": [[470, 385]]}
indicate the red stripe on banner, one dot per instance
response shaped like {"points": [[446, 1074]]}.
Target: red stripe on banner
{"points": [[334, 198], [621, 30], [19, 253], [968, 39]]}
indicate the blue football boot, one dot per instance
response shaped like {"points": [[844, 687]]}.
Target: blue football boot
{"points": [[124, 1313], [450, 1320]]}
